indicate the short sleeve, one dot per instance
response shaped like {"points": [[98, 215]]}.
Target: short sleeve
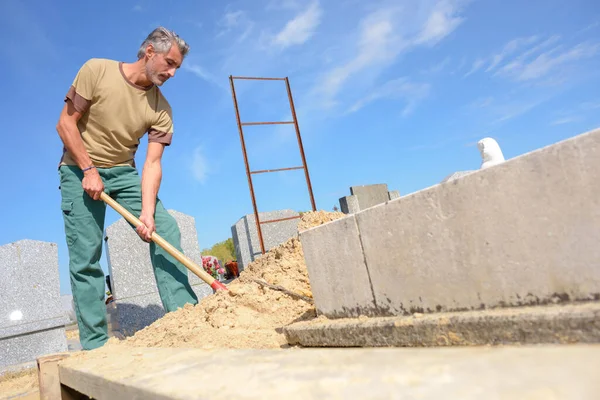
{"points": [[81, 91], [162, 130]]}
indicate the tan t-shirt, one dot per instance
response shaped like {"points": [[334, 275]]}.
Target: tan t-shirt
{"points": [[116, 114]]}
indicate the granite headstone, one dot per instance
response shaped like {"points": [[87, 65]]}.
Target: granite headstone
{"points": [[137, 303], [245, 234], [33, 320]]}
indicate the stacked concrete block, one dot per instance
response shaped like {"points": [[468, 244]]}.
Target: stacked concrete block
{"points": [[349, 204], [245, 234], [137, 302], [32, 318], [523, 232], [366, 196]]}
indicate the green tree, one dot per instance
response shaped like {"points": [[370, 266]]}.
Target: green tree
{"points": [[224, 251]]}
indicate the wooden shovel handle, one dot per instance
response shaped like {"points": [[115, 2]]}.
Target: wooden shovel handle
{"points": [[182, 258]]}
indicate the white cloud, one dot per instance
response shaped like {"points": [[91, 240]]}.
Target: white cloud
{"points": [[513, 110], [494, 60], [283, 5], [199, 165], [477, 64], [436, 69], [589, 105], [298, 30], [442, 21], [377, 45], [482, 102], [238, 21], [549, 61], [203, 74], [534, 59], [565, 120], [510, 48], [382, 36], [411, 93]]}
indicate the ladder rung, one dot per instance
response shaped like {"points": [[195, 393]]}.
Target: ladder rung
{"points": [[267, 123], [262, 171], [280, 219], [257, 79]]}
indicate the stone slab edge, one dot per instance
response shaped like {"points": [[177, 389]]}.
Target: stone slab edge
{"points": [[557, 324]]}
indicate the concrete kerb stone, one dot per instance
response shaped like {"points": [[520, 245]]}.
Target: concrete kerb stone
{"points": [[523, 232], [520, 233], [339, 279], [557, 324]]}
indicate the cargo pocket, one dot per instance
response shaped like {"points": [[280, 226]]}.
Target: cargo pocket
{"points": [[70, 232]]}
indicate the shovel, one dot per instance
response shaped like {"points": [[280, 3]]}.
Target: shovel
{"points": [[192, 266]]}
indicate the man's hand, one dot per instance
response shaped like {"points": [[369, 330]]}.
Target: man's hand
{"points": [[145, 231], [92, 183]]}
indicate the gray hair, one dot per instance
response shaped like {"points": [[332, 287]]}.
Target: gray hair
{"points": [[162, 39]]}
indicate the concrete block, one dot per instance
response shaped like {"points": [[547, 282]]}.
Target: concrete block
{"points": [[370, 195], [338, 276], [245, 234], [349, 204], [519, 233], [27, 347], [556, 324]]}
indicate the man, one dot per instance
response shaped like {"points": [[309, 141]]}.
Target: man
{"points": [[108, 109]]}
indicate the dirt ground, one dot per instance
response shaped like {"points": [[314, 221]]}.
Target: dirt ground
{"points": [[249, 315]]}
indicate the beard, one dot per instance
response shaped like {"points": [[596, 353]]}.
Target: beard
{"points": [[153, 76]]}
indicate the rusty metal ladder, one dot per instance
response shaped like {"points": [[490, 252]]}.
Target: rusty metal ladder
{"points": [[249, 173]]}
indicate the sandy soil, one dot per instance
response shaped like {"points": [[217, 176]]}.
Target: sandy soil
{"points": [[249, 315], [15, 384]]}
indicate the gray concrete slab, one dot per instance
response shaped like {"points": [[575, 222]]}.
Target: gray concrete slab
{"points": [[539, 372], [559, 324], [338, 276], [522, 232]]}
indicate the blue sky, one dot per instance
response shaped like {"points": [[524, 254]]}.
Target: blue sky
{"points": [[394, 92]]}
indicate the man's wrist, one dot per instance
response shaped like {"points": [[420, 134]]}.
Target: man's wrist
{"points": [[90, 170]]}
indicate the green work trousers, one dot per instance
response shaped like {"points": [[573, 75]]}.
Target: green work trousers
{"points": [[84, 224]]}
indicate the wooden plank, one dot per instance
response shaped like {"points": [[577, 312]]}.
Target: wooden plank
{"points": [[119, 373], [48, 378]]}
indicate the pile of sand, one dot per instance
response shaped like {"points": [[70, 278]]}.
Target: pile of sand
{"points": [[249, 315]]}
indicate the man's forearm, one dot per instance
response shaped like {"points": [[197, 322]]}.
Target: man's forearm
{"points": [[151, 177], [71, 138]]}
